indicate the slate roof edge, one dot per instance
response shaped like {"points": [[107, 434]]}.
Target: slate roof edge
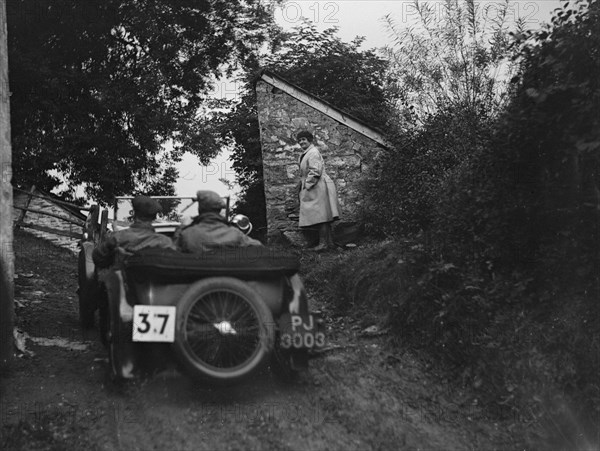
{"points": [[323, 106]]}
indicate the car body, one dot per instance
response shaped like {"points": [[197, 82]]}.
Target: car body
{"points": [[219, 315]]}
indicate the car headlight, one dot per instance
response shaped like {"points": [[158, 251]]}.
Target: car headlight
{"points": [[243, 223]]}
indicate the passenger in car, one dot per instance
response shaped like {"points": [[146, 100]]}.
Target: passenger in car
{"points": [[138, 236], [210, 230]]}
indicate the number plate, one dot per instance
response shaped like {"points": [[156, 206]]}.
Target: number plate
{"points": [[300, 333], [154, 323]]}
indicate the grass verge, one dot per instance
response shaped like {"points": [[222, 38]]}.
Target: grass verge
{"points": [[531, 355]]}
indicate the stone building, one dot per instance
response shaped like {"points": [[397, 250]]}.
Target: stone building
{"points": [[347, 145]]}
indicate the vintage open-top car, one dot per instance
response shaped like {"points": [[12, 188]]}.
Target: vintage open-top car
{"points": [[219, 315]]}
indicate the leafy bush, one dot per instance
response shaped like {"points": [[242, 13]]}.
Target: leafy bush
{"points": [[404, 184], [504, 215], [450, 54]]}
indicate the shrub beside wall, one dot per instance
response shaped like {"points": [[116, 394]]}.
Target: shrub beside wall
{"points": [[503, 217]]}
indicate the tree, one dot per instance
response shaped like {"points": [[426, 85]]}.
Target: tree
{"points": [[509, 210], [99, 87], [453, 53], [340, 73], [450, 68], [549, 142]]}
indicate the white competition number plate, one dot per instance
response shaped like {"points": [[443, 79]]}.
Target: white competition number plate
{"points": [[154, 323]]}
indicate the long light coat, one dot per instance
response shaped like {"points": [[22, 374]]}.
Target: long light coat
{"points": [[318, 196]]}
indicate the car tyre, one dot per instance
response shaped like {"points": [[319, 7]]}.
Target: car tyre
{"points": [[224, 330], [85, 292], [121, 350], [103, 316]]}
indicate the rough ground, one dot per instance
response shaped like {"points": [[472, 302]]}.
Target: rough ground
{"points": [[360, 393]]}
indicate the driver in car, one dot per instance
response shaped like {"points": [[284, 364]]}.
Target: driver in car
{"points": [[138, 236], [210, 230]]}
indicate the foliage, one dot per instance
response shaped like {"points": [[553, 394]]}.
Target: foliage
{"points": [[499, 189], [319, 62], [338, 72], [502, 211], [405, 182], [99, 88], [549, 140], [521, 363], [239, 128], [451, 54], [449, 69]]}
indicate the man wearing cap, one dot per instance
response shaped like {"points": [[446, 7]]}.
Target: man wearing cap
{"points": [[139, 235], [210, 230]]}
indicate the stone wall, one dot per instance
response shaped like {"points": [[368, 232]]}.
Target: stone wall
{"points": [[347, 154], [6, 235]]}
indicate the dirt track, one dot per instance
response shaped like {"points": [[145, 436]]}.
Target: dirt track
{"points": [[359, 394]]}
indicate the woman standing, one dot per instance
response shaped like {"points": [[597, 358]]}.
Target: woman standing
{"points": [[317, 193]]}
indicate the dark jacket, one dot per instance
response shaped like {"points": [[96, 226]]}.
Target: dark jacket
{"points": [[138, 236], [209, 231]]}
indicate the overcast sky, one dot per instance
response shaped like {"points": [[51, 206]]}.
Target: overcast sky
{"points": [[353, 18], [363, 17]]}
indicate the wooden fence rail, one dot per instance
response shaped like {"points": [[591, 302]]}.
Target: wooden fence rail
{"points": [[79, 223], [56, 201], [30, 225]]}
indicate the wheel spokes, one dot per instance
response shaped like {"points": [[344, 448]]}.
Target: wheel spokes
{"points": [[222, 329]]}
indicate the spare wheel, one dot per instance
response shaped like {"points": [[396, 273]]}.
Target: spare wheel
{"points": [[224, 331]]}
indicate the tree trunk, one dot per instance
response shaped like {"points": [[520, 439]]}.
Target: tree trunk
{"points": [[6, 210]]}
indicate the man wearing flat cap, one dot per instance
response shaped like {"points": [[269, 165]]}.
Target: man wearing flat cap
{"points": [[210, 230], [138, 236]]}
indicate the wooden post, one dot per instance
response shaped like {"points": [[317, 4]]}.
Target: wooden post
{"points": [[91, 223], [24, 210], [6, 206]]}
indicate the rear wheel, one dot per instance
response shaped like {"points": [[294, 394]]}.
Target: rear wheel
{"points": [[224, 331], [121, 350], [86, 290], [103, 315]]}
